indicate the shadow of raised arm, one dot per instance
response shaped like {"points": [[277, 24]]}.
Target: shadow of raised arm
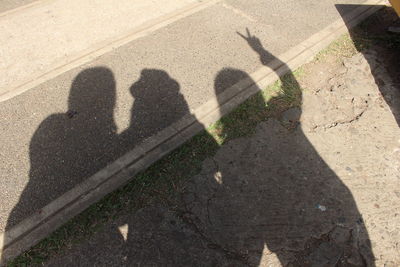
{"points": [[290, 85], [255, 43]]}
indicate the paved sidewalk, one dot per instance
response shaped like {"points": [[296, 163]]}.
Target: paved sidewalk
{"points": [[50, 34], [319, 186], [66, 129]]}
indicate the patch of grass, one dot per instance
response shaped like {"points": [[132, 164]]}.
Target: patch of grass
{"points": [[343, 47]]}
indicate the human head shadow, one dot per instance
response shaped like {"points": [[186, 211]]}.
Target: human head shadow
{"points": [[274, 190], [66, 146], [158, 103], [381, 49]]}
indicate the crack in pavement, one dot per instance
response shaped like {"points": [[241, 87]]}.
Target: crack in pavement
{"points": [[339, 123], [186, 217]]}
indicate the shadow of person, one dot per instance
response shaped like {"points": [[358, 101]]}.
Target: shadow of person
{"points": [[158, 102], [66, 147], [273, 192], [381, 49]]}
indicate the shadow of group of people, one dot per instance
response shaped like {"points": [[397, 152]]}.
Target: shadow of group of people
{"points": [[261, 201]]}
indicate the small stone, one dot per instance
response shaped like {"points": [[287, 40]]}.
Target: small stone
{"points": [[218, 177], [321, 207]]}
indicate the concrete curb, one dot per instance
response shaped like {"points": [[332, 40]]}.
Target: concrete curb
{"points": [[30, 231]]}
